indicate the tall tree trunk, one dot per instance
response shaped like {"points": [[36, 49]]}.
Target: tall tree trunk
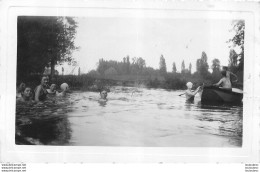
{"points": [[52, 69]]}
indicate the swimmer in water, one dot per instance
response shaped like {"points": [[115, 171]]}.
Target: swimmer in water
{"points": [[26, 95], [41, 90], [64, 89], [103, 98], [20, 90], [189, 93], [52, 89], [103, 95]]}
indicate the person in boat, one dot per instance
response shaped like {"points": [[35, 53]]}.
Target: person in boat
{"points": [[224, 82], [64, 89], [41, 90], [230, 74], [20, 89], [52, 89], [189, 93], [26, 95]]}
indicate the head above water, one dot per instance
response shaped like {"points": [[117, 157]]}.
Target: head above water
{"points": [[45, 80], [189, 85], [64, 87], [103, 94], [21, 87], [53, 87], [27, 93]]}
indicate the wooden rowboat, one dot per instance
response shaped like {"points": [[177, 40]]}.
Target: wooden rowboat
{"points": [[212, 94]]}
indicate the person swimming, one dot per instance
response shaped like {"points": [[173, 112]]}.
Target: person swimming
{"points": [[224, 82], [26, 95], [103, 95], [103, 98], [41, 90], [189, 93], [52, 89], [20, 89], [64, 89]]}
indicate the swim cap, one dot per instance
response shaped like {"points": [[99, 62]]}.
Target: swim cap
{"points": [[189, 84], [64, 86]]}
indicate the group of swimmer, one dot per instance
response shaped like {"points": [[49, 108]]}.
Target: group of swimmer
{"points": [[25, 93], [224, 83], [41, 92]]}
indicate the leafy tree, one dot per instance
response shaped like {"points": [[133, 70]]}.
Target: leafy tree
{"points": [[202, 65], [79, 71], [110, 72], [233, 66], [183, 67], [124, 67], [102, 66], [238, 40], [141, 64], [43, 42], [93, 73], [162, 65], [135, 67], [215, 66], [190, 67], [174, 70], [127, 65], [198, 65]]}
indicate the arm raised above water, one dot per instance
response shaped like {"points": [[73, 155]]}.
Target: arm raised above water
{"points": [[192, 93]]}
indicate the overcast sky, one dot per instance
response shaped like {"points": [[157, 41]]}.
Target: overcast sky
{"points": [[175, 39]]}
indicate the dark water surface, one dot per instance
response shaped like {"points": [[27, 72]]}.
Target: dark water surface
{"points": [[131, 117]]}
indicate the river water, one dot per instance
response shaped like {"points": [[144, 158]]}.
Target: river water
{"points": [[131, 117]]}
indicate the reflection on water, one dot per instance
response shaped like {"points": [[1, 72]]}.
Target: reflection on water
{"points": [[130, 117]]}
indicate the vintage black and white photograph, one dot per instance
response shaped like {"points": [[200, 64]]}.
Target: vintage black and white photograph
{"points": [[129, 81]]}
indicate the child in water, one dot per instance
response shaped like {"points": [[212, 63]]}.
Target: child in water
{"points": [[189, 93], [64, 89], [52, 89], [26, 95]]}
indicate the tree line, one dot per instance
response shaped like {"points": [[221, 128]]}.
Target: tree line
{"points": [[137, 66]]}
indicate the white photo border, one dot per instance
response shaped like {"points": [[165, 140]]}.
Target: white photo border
{"points": [[249, 152]]}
